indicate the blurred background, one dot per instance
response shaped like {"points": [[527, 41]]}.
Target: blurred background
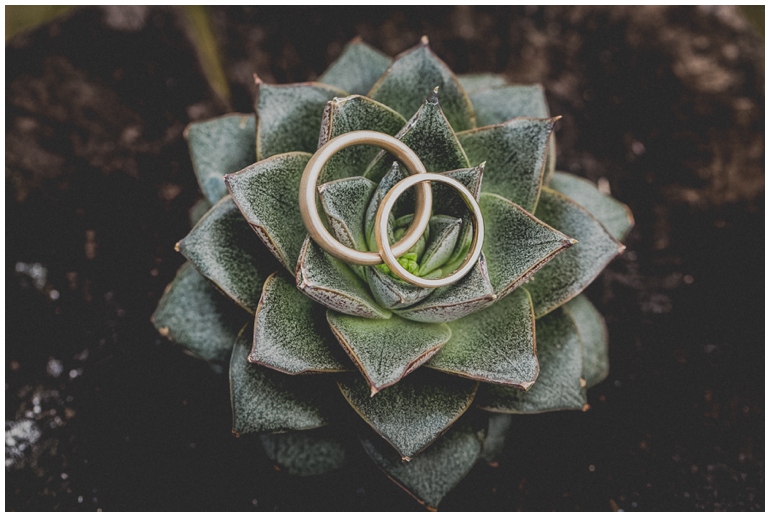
{"points": [[665, 104]]}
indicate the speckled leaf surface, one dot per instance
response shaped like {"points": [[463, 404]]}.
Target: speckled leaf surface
{"points": [[499, 104], [413, 413], [430, 136], [354, 113], [345, 203], [220, 146], [194, 314], [357, 68], [516, 243], [466, 296], [333, 284], [497, 431], [289, 116], [432, 474], [559, 384], [413, 75], [265, 400], [614, 215], [267, 194], [475, 82], [570, 272], [495, 345], [223, 249], [198, 210], [304, 453], [447, 201], [594, 337], [515, 153], [393, 293], [387, 350], [291, 334], [444, 232]]}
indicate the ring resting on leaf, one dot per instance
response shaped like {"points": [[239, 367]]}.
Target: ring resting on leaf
{"points": [[386, 253]]}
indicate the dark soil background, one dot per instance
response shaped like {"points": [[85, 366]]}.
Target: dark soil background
{"points": [[666, 104]]}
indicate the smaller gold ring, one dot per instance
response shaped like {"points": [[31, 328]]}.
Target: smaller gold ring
{"points": [[309, 209], [381, 230]]}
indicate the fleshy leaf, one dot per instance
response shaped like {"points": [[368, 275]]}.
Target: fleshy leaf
{"points": [[413, 75], [265, 400], [220, 146], [387, 350], [614, 215], [559, 385], [515, 152], [497, 431], [357, 68], [333, 284], [474, 82], [570, 272], [393, 293], [291, 334], [500, 104], [516, 244], [268, 195], [194, 314], [304, 453], [430, 136], [431, 475], [451, 302], [496, 345], [447, 201], [444, 232], [223, 249], [289, 116], [354, 113], [198, 210], [413, 413], [594, 338]]}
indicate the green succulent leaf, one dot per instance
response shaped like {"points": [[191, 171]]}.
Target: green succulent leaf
{"points": [[220, 146], [291, 334], [289, 116], [412, 76], [333, 284], [516, 243], [304, 453], [515, 153], [475, 82], [594, 338], [466, 296], [223, 249], [430, 136], [198, 210], [267, 194], [496, 345], [194, 314], [410, 415], [614, 215], [570, 272], [393, 293], [444, 232], [357, 68], [497, 431], [434, 473], [387, 350], [265, 400], [446, 200], [354, 113], [559, 385], [502, 103]]}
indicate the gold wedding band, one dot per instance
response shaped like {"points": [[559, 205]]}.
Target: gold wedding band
{"points": [[389, 255], [309, 209]]}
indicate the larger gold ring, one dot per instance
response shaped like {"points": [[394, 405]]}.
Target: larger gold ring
{"points": [[381, 230], [309, 209]]}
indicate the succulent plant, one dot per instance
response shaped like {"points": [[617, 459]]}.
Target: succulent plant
{"points": [[433, 375]]}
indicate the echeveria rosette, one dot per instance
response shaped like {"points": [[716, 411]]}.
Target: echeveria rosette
{"points": [[435, 374]]}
